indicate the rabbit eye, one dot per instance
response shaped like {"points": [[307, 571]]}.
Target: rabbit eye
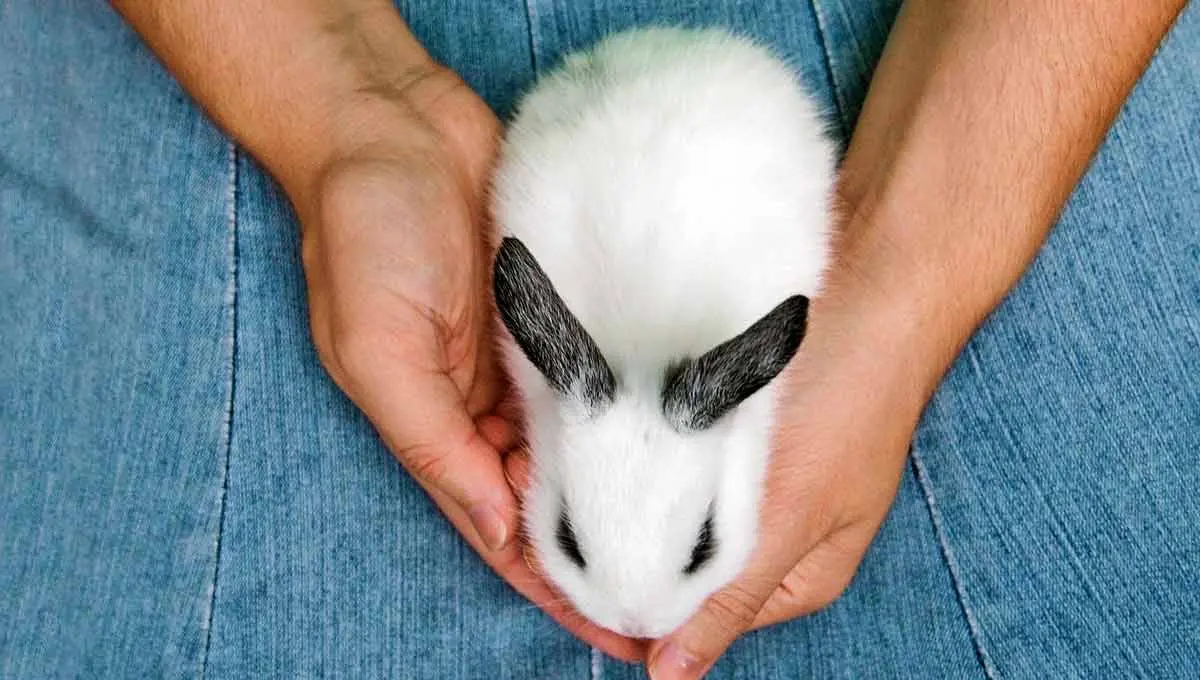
{"points": [[706, 546], [565, 536]]}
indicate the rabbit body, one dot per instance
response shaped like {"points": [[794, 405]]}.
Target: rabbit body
{"points": [[668, 189]]}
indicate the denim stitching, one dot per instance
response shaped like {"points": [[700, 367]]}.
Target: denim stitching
{"points": [[534, 46], [960, 591], [225, 445], [597, 664], [830, 68]]}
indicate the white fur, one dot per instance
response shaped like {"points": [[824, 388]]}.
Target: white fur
{"points": [[675, 185]]}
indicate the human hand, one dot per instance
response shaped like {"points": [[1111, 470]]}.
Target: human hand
{"points": [[396, 256], [847, 413]]}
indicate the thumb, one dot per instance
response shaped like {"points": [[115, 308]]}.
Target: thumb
{"points": [[690, 651], [423, 419]]}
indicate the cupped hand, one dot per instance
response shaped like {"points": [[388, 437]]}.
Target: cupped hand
{"points": [[849, 405], [396, 254]]}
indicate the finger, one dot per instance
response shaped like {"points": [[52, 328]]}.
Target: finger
{"points": [[690, 651], [497, 432], [422, 418], [516, 468], [508, 404], [489, 381], [514, 566], [766, 592], [820, 577]]}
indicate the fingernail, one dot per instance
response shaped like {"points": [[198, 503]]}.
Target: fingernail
{"points": [[675, 664], [490, 525]]}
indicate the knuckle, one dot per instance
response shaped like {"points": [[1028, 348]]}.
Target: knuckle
{"points": [[808, 596], [311, 252], [832, 590], [734, 608], [323, 340], [425, 464], [323, 343]]}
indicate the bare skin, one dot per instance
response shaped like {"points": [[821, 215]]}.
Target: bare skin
{"points": [[980, 120]]}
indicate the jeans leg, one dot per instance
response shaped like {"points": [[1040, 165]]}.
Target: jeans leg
{"points": [[115, 370]]}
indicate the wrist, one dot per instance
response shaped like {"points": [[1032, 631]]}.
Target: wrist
{"points": [[359, 79], [883, 318]]}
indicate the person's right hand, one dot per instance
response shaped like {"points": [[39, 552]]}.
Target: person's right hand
{"points": [[396, 254]]}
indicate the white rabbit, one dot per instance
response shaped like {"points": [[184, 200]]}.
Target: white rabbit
{"points": [[664, 202]]}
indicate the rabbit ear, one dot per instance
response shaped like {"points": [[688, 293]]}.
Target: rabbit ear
{"points": [[546, 331], [699, 391]]}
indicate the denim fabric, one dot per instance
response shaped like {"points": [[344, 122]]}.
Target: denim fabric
{"points": [[184, 493]]}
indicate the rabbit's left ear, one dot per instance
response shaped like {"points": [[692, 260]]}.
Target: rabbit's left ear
{"points": [[551, 337], [699, 391]]}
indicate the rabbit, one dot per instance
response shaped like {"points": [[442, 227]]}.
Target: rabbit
{"points": [[663, 207]]}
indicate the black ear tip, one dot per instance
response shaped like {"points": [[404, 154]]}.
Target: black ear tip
{"points": [[790, 317], [796, 305], [698, 392], [513, 261], [510, 250]]}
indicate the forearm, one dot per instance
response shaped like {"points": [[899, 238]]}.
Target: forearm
{"points": [[980, 121], [288, 80]]}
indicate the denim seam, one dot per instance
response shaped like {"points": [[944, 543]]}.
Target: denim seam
{"points": [[831, 71], [225, 446], [597, 668], [531, 21], [956, 578]]}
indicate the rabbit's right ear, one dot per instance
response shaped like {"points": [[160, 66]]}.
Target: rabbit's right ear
{"points": [[546, 331], [698, 392]]}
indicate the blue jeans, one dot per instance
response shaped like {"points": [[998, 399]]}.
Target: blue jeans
{"points": [[183, 491]]}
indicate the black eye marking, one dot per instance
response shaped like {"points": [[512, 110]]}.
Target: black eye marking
{"points": [[565, 536], [706, 547]]}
